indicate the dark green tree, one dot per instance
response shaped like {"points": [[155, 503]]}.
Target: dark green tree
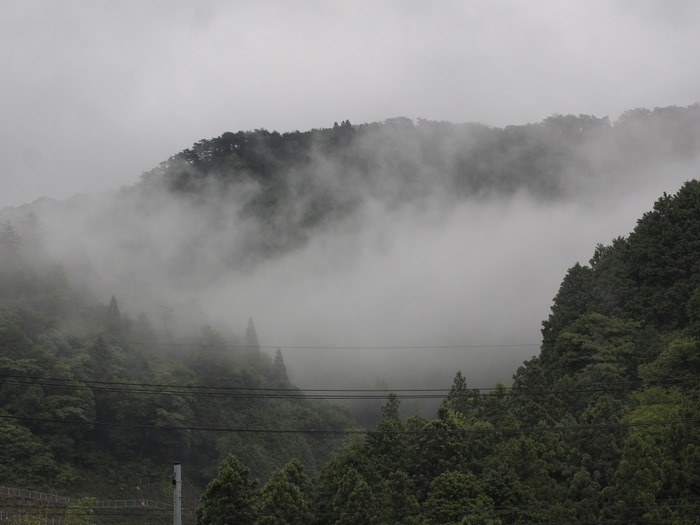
{"points": [[349, 488], [279, 370], [24, 459], [457, 498], [355, 502], [286, 498], [401, 505], [388, 448], [460, 398], [230, 497]]}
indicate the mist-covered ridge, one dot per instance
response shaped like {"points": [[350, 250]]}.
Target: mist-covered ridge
{"points": [[373, 257], [293, 183], [401, 233]]}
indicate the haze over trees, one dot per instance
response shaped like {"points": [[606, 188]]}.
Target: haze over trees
{"points": [[117, 355], [394, 221], [602, 426]]}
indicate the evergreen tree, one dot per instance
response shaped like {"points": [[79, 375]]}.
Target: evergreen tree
{"points": [[251, 336], [460, 398], [10, 241], [286, 498], [251, 350], [390, 410], [10, 247], [402, 507], [279, 371], [228, 498], [114, 320], [457, 498], [355, 503]]}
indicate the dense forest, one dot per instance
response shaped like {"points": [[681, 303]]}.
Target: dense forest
{"points": [[600, 427], [293, 184], [89, 393]]}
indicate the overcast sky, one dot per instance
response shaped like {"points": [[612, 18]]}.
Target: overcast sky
{"points": [[93, 93]]}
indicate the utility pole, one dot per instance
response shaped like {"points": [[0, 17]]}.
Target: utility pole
{"points": [[177, 494]]}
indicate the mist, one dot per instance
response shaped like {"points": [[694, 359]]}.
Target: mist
{"points": [[478, 276], [95, 93], [402, 286]]}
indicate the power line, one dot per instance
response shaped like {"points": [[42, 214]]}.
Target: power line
{"points": [[510, 430], [315, 394], [402, 347], [543, 389], [334, 347], [315, 397]]}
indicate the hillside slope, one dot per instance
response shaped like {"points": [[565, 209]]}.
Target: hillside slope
{"points": [[602, 426]]}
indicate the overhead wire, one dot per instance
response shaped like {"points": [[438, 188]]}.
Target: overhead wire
{"points": [[332, 347], [358, 431], [247, 392]]}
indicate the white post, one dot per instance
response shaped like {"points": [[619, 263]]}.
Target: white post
{"points": [[177, 494]]}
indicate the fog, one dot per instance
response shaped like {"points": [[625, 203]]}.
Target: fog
{"points": [[400, 292], [93, 93], [406, 282], [483, 273]]}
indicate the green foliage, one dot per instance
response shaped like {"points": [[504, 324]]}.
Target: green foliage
{"points": [[571, 302], [401, 505], [26, 519], [348, 488], [601, 426], [24, 458], [281, 179], [607, 411], [680, 360], [228, 498], [80, 513], [287, 497], [57, 350], [279, 370], [457, 498], [460, 398], [664, 258], [651, 276], [354, 501]]}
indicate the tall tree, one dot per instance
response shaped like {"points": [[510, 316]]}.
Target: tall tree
{"points": [[251, 350], [456, 498], [10, 247], [10, 241], [279, 371], [230, 497], [114, 320], [460, 398], [251, 336], [286, 499]]}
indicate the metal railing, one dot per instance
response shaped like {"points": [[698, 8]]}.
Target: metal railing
{"points": [[36, 495], [62, 501]]}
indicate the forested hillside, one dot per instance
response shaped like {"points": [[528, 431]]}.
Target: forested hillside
{"points": [[601, 427], [294, 184], [124, 345], [88, 390], [259, 223]]}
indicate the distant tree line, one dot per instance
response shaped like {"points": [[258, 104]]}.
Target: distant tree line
{"points": [[296, 183]]}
